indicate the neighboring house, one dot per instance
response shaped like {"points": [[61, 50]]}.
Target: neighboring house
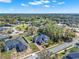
{"points": [[76, 29], [3, 28], [40, 39], [19, 44], [3, 37], [8, 25], [77, 45], [29, 23], [73, 55], [18, 22], [21, 39], [61, 24]]}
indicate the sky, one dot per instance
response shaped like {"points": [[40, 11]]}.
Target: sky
{"points": [[39, 6]]}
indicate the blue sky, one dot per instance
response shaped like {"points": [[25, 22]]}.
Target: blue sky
{"points": [[39, 6]]}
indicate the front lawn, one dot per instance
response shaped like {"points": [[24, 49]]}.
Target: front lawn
{"points": [[33, 47], [6, 55], [74, 49], [29, 38]]}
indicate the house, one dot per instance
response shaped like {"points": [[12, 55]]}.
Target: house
{"points": [[77, 45], [29, 23], [73, 55], [61, 24], [19, 44], [8, 25], [42, 38], [3, 28], [18, 22], [3, 37]]}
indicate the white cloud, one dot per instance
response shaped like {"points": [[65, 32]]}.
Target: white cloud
{"points": [[54, 1], [6, 1], [24, 5], [35, 3], [39, 2], [1, 9], [47, 5], [12, 9], [53, 6], [45, 1], [60, 3]]}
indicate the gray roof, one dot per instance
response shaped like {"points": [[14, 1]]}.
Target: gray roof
{"points": [[3, 28], [42, 38], [19, 44], [73, 55]]}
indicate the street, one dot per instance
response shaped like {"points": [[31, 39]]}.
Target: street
{"points": [[57, 48]]}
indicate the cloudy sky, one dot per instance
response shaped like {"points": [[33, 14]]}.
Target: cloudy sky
{"points": [[39, 6]]}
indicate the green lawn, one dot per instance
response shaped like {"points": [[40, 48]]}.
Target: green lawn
{"points": [[6, 55], [61, 55], [22, 27], [29, 38], [74, 49], [33, 47]]}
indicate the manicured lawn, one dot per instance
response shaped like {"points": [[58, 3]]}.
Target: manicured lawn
{"points": [[74, 49], [29, 38], [21, 27], [33, 47], [6, 55], [61, 55]]}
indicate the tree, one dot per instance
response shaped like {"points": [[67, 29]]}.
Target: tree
{"points": [[68, 34], [1, 45], [51, 29], [44, 54]]}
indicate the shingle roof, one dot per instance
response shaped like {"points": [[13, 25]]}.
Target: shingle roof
{"points": [[40, 39], [73, 55], [17, 43], [3, 28], [8, 25]]}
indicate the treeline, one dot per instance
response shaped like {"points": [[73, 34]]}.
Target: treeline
{"points": [[68, 19]]}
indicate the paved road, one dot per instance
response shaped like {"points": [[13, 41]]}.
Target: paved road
{"points": [[63, 46], [58, 48]]}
